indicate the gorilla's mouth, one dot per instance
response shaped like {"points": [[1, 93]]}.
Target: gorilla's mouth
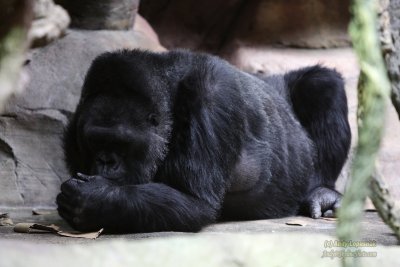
{"points": [[113, 171]]}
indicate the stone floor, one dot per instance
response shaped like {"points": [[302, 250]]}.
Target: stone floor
{"points": [[229, 244], [373, 228]]}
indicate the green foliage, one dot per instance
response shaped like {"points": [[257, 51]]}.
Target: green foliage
{"points": [[12, 47], [373, 93]]}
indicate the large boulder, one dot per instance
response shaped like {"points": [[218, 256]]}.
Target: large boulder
{"points": [[31, 157]]}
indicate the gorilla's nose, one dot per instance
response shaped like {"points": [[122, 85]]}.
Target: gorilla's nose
{"points": [[107, 161]]}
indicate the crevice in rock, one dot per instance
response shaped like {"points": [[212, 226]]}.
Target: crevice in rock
{"points": [[55, 171], [9, 115], [7, 149], [33, 110], [59, 115]]}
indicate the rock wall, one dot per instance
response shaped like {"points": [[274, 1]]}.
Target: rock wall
{"points": [[216, 26]]}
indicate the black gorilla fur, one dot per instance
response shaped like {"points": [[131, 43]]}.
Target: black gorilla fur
{"points": [[177, 140]]}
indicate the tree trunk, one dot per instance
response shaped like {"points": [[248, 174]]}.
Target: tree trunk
{"points": [[373, 92], [390, 37], [380, 194]]}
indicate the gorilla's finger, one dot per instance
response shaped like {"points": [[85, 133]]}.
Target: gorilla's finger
{"points": [[315, 209], [84, 177]]}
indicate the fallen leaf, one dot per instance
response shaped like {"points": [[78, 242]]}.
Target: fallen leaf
{"points": [[296, 222], [41, 212], [333, 219], [5, 220], [92, 235], [35, 227], [23, 227]]}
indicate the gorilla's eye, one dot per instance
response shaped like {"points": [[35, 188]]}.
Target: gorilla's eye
{"points": [[153, 119]]}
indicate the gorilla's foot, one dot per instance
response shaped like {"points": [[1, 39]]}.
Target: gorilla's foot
{"points": [[322, 200]]}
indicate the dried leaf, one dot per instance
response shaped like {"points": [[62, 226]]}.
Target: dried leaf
{"points": [[297, 222], [49, 228], [23, 227], [328, 219], [5, 220], [41, 212], [92, 235], [34, 227]]}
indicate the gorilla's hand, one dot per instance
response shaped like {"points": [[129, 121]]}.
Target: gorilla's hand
{"points": [[81, 201]]}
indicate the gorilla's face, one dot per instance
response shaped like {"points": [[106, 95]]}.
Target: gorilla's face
{"points": [[122, 139]]}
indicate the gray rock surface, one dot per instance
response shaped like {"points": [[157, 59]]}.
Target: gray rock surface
{"points": [[31, 158]]}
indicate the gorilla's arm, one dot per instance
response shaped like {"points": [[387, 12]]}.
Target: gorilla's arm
{"points": [[88, 203]]}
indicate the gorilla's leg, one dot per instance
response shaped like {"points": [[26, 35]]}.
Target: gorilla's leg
{"points": [[319, 102]]}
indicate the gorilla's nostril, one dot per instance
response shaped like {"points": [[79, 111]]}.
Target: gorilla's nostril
{"points": [[107, 166], [106, 159]]}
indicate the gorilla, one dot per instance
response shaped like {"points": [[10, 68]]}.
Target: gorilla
{"points": [[177, 140]]}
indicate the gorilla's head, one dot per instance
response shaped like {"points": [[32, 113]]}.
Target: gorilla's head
{"points": [[122, 124]]}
